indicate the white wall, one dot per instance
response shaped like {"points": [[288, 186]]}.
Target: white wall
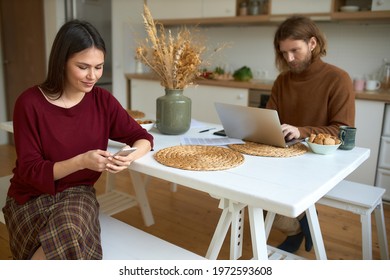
{"points": [[127, 29], [54, 19], [357, 48]]}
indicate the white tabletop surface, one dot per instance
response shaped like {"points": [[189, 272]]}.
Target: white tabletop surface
{"points": [[287, 186]]}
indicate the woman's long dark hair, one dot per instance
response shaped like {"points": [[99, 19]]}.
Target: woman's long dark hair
{"points": [[74, 36], [298, 28]]}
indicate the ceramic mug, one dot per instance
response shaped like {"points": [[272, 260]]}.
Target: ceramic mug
{"points": [[347, 136], [358, 84], [373, 85]]}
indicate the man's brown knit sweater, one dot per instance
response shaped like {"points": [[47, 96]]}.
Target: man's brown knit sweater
{"points": [[318, 100]]}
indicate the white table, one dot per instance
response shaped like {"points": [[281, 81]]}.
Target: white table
{"points": [[7, 126], [286, 186]]}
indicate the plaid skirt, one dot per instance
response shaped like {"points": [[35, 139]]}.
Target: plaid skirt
{"points": [[65, 225]]}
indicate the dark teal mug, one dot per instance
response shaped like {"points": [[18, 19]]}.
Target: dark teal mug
{"points": [[347, 136]]}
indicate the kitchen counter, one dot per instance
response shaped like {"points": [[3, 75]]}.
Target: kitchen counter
{"points": [[383, 96], [265, 85]]}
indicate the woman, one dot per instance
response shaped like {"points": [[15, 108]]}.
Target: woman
{"points": [[61, 131]]}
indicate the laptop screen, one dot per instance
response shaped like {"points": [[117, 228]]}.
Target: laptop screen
{"points": [[252, 124]]}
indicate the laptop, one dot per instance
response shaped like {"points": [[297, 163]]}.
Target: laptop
{"points": [[252, 124]]}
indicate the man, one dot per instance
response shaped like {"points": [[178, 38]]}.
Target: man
{"points": [[311, 96]]}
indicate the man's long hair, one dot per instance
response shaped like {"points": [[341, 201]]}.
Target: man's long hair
{"points": [[298, 28]]}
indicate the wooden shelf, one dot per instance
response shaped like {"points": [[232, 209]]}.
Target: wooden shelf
{"points": [[223, 21], [364, 16]]}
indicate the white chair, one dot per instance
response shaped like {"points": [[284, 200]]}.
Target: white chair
{"points": [[361, 199], [4, 185], [121, 241]]}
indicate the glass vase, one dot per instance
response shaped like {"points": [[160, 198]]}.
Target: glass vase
{"points": [[173, 112]]}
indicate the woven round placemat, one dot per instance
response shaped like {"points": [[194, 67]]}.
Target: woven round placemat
{"points": [[200, 158], [255, 149]]}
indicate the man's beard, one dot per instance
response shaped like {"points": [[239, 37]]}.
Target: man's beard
{"points": [[301, 66]]}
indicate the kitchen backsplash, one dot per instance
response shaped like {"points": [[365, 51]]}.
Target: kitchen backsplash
{"points": [[357, 48]]}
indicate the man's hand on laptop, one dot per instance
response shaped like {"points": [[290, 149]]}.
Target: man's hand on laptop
{"points": [[290, 132]]}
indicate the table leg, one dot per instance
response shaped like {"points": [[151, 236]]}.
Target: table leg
{"points": [[139, 185], [220, 233], [258, 234], [110, 179], [315, 231], [232, 214], [237, 231], [269, 220]]}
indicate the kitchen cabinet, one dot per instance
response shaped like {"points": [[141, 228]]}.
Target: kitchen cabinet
{"points": [[182, 9], [383, 172], [178, 9], [143, 95], [383, 181], [218, 8], [380, 5], [368, 121], [273, 15], [283, 7]]}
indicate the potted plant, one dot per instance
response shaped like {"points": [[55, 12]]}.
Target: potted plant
{"points": [[177, 60]]}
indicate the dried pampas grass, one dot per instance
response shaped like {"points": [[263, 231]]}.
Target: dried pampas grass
{"points": [[177, 60]]}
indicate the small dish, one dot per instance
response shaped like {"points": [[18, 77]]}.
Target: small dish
{"points": [[349, 9], [322, 149], [146, 124]]}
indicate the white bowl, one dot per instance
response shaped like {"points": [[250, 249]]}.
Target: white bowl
{"points": [[147, 126], [349, 9], [322, 149]]}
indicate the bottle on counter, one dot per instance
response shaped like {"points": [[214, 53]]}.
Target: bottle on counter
{"points": [[254, 8], [138, 67], [384, 75], [243, 11]]}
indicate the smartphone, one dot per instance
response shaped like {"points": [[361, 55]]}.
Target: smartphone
{"points": [[124, 151]]}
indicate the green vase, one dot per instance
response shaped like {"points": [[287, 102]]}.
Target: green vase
{"points": [[173, 112]]}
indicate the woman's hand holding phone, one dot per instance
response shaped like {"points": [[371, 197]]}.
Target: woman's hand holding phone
{"points": [[125, 151], [118, 161]]}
